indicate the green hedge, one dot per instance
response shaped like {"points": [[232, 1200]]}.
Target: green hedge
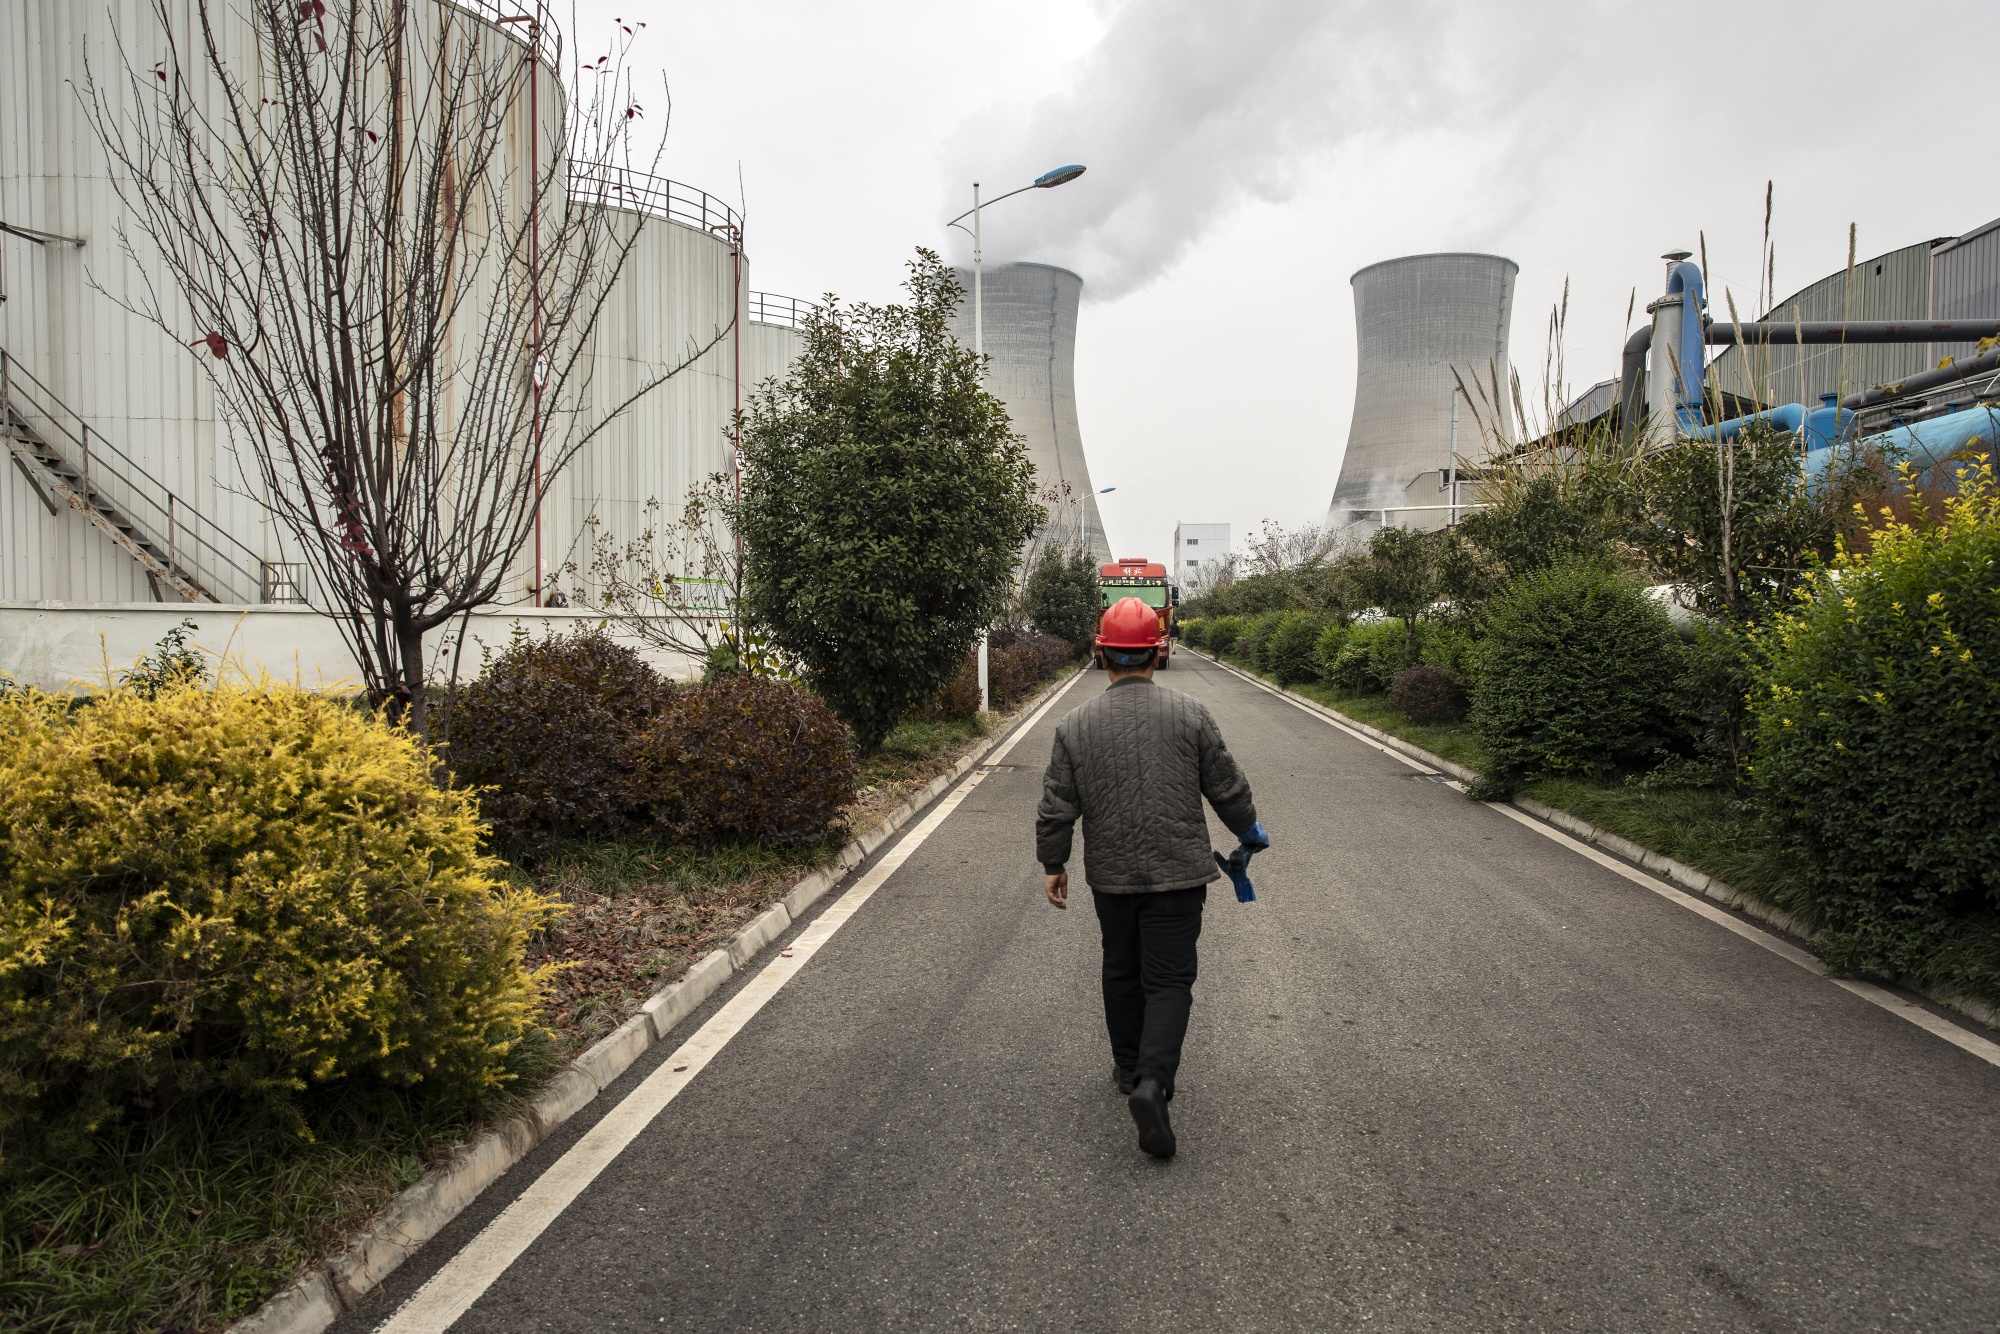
{"points": [[1258, 633], [1289, 648], [1877, 747], [1575, 676], [1369, 657], [1224, 634]]}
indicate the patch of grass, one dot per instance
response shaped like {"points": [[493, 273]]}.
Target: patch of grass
{"points": [[191, 1219], [1457, 742], [612, 866], [907, 750], [1710, 829]]}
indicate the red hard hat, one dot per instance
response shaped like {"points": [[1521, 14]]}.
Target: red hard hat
{"points": [[1130, 624]]}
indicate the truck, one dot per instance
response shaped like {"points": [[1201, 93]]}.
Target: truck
{"points": [[1147, 581]]}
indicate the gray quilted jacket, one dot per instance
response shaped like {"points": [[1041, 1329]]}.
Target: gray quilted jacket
{"points": [[1134, 764]]}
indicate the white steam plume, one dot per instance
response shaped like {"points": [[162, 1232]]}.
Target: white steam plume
{"points": [[1186, 108]]}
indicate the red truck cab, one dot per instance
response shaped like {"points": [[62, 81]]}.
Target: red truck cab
{"points": [[1147, 581]]}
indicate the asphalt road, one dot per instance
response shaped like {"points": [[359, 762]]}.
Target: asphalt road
{"points": [[1444, 1074]]}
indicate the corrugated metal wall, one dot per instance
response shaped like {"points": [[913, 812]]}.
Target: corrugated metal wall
{"points": [[1965, 284], [1893, 286]]}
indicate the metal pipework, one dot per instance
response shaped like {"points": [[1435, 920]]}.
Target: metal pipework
{"points": [[1851, 331], [1814, 332], [1924, 444], [1955, 373], [1676, 352], [1822, 427]]}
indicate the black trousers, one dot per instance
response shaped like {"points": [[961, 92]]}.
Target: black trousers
{"points": [[1149, 967]]}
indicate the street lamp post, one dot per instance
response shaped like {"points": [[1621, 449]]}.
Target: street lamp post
{"points": [[1046, 181]]}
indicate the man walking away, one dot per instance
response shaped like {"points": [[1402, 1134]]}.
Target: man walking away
{"points": [[1134, 765]]}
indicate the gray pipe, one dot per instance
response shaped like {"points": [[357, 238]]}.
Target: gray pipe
{"points": [[1853, 331], [1916, 384], [1631, 382]]}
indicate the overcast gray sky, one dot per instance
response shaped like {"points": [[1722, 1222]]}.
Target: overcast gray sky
{"points": [[1246, 157]]}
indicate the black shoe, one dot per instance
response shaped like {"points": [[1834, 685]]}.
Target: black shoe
{"points": [[1126, 1080], [1149, 1112]]}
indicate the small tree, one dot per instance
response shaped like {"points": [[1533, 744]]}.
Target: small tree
{"points": [[885, 502], [1735, 522], [678, 585], [1401, 576], [1061, 596]]}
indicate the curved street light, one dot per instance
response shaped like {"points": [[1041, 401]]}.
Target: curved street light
{"points": [[1048, 180]]}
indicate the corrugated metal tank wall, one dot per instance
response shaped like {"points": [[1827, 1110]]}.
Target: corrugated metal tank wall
{"points": [[1892, 286], [1029, 313], [768, 352], [1415, 319], [135, 385], [673, 298]]}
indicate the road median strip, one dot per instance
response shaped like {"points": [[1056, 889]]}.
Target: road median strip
{"points": [[1552, 823], [316, 1299]]}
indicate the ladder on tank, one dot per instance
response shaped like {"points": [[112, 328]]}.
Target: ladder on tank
{"points": [[68, 462]]}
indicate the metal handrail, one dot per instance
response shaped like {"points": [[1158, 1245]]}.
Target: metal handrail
{"points": [[526, 21], [642, 192], [789, 311], [193, 543]]}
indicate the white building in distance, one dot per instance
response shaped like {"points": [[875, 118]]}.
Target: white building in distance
{"points": [[1197, 545]]}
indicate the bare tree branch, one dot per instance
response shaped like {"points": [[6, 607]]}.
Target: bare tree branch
{"points": [[395, 306]]}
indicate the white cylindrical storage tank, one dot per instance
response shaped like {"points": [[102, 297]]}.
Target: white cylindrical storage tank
{"points": [[673, 302], [1029, 317], [1417, 319], [773, 339], [95, 373]]}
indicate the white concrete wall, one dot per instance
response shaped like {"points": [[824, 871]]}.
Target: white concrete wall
{"points": [[73, 648]]}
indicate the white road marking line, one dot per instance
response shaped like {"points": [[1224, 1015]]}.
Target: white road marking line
{"points": [[450, 1293], [1310, 711], [1985, 1049]]}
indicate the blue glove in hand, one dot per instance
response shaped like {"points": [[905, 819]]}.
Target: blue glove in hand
{"points": [[1237, 864]]}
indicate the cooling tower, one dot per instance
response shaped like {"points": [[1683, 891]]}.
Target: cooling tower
{"points": [[1416, 319], [1030, 324]]}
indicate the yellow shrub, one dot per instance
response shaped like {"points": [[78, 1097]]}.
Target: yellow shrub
{"points": [[252, 889]]}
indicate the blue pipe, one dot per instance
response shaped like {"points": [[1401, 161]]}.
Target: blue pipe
{"points": [[1685, 283], [1823, 426], [1925, 444]]}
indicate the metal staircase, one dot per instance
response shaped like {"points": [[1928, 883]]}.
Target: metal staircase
{"points": [[68, 462]]}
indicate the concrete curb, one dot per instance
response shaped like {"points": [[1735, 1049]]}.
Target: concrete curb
{"points": [[317, 1298], [1687, 877]]}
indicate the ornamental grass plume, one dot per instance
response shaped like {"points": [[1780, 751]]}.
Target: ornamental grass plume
{"points": [[250, 890], [1876, 709]]}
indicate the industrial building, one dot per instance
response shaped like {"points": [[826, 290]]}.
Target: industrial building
{"points": [[100, 402], [1030, 313], [1953, 278], [1891, 286], [1418, 320], [1198, 547]]}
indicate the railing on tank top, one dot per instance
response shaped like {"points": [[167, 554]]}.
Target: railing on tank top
{"points": [[788, 311], [641, 192]]}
